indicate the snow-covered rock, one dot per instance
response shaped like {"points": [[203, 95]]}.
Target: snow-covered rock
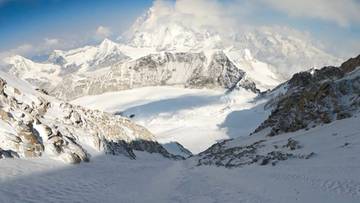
{"points": [[88, 58], [38, 74], [195, 70], [308, 99], [33, 124], [268, 56], [161, 49], [280, 50]]}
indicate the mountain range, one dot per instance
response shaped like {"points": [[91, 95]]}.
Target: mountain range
{"points": [[164, 112], [176, 54]]}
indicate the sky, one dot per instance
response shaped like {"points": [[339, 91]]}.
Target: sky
{"points": [[35, 27]]}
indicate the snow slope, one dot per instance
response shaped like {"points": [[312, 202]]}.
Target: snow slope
{"points": [[196, 118], [332, 176]]}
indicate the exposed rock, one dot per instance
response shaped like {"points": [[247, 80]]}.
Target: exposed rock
{"points": [[221, 154], [8, 154], [313, 98], [292, 144], [152, 147], [350, 64], [194, 70], [36, 124]]}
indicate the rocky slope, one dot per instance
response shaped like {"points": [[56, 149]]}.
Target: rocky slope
{"points": [[195, 70], [95, 70], [33, 124], [308, 100], [317, 96]]}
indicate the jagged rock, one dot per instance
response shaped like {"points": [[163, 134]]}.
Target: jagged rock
{"points": [[42, 91], [313, 98], [2, 85], [8, 154], [292, 144], [152, 147], [118, 148], [350, 64], [37, 125], [258, 152]]}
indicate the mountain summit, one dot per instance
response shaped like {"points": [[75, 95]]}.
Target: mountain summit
{"points": [[176, 52]]}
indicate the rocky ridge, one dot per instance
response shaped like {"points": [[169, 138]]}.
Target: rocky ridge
{"points": [[194, 70], [34, 124], [309, 99], [315, 97]]}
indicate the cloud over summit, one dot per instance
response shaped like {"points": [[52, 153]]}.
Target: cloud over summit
{"points": [[343, 12]]}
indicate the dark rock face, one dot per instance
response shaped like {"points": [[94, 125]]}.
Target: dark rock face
{"points": [[350, 64], [153, 147], [328, 94], [219, 155], [8, 154], [258, 152], [2, 85], [124, 148]]}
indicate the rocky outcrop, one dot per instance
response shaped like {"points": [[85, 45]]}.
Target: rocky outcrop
{"points": [[33, 124], [350, 64], [313, 98], [260, 152]]}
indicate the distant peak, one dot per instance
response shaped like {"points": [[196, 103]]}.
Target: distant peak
{"points": [[16, 59], [107, 42]]}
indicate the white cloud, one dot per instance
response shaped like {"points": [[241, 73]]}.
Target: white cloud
{"points": [[43, 47], [192, 13], [103, 32], [51, 41], [342, 12], [22, 49]]}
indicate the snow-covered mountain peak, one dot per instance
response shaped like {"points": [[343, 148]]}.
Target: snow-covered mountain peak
{"points": [[89, 57], [277, 49], [39, 74], [18, 60], [165, 29], [175, 37], [268, 55], [107, 45]]}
